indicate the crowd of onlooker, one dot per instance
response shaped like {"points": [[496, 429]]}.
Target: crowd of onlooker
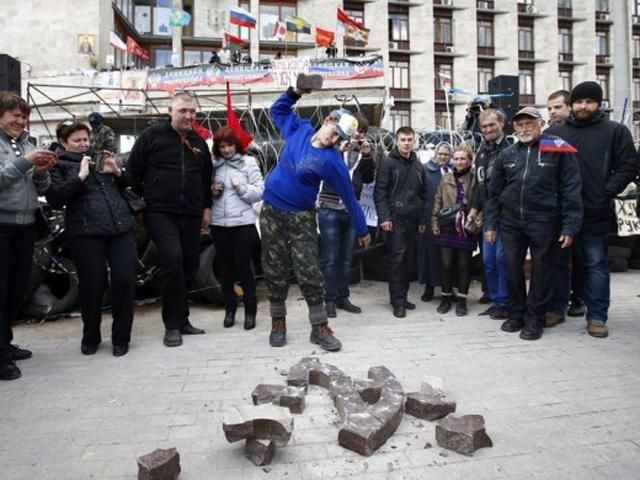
{"points": [[548, 194]]}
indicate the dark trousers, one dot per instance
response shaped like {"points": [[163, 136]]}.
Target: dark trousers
{"points": [[16, 252], [234, 252], [91, 254], [458, 260], [177, 238], [337, 238], [542, 240], [400, 242]]}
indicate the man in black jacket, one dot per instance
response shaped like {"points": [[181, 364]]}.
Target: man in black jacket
{"points": [[170, 166], [400, 196], [608, 162], [534, 199], [337, 233]]}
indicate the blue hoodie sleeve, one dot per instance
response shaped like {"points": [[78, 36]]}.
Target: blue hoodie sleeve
{"points": [[336, 175], [283, 115]]}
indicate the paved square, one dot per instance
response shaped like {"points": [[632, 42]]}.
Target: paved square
{"points": [[564, 407]]}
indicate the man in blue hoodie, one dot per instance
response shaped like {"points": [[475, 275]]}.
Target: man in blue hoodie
{"points": [[608, 162], [288, 217]]}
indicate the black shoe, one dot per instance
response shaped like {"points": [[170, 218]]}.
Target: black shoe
{"points": [[346, 305], [249, 321], [531, 333], [399, 312], [499, 313], [18, 353], [278, 335], [445, 304], [172, 338], [323, 335], [330, 307], [487, 312], [120, 350], [577, 308], [229, 318], [427, 296], [88, 348], [409, 306], [461, 307], [511, 325], [9, 371], [484, 299], [188, 329]]}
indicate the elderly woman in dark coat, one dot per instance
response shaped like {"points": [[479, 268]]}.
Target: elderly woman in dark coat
{"points": [[429, 261]]}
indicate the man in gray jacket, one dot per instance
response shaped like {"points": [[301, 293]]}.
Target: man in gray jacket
{"points": [[23, 176]]}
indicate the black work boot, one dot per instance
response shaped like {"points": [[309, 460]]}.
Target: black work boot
{"points": [[278, 336], [346, 305], [229, 318], [461, 306], [445, 304], [427, 296], [330, 307], [323, 335], [250, 310]]}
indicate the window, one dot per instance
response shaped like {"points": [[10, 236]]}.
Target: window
{"points": [[357, 15], [441, 119], [636, 5], [445, 68], [526, 81], [485, 33], [636, 46], [603, 79], [565, 40], [525, 38], [270, 14], [602, 6], [484, 75], [243, 32], [400, 117], [636, 89], [151, 17], [602, 43], [399, 74], [398, 27], [196, 57], [444, 30], [564, 3], [161, 57], [566, 82]]}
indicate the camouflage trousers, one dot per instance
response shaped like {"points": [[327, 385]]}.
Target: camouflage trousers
{"points": [[291, 238]]}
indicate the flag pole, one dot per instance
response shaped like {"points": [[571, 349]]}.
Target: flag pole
{"points": [[446, 99], [176, 40]]}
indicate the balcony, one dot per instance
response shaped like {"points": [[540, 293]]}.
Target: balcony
{"points": [[565, 57], [636, 62], [399, 45], [486, 51], [603, 60], [443, 47], [400, 93], [526, 54], [565, 12], [603, 17]]}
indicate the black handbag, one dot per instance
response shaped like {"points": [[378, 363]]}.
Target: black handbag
{"points": [[135, 202], [447, 218]]}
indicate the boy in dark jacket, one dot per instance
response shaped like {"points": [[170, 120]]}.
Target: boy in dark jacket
{"points": [[400, 196], [608, 162]]}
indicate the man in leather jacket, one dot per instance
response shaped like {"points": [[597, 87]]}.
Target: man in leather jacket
{"points": [[400, 197], [535, 202]]}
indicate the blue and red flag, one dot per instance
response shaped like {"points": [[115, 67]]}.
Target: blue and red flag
{"points": [[239, 16], [556, 144]]}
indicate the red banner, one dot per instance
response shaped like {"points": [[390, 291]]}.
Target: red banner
{"points": [[324, 38], [134, 49]]}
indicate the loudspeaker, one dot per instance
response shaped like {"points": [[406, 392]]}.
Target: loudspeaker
{"points": [[506, 84], [10, 74]]}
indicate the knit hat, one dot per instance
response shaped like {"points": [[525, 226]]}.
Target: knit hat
{"points": [[589, 89]]}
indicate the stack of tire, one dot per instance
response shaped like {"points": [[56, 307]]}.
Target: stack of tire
{"points": [[623, 253]]}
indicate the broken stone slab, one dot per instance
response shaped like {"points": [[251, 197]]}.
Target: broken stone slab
{"points": [[266, 393], [161, 464], [370, 410], [463, 434], [293, 398], [262, 421], [429, 404], [259, 451]]}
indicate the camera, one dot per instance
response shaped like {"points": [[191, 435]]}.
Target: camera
{"points": [[98, 161]]}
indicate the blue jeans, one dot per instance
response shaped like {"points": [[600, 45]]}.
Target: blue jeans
{"points": [[337, 238], [495, 271], [561, 283], [596, 274]]}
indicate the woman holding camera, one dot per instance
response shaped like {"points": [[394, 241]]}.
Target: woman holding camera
{"points": [[237, 185], [98, 231], [453, 233]]}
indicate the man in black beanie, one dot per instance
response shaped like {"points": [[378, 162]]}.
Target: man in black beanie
{"points": [[608, 163]]}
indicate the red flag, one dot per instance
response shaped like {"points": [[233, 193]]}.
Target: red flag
{"points": [[324, 38], [234, 123], [343, 18], [231, 41], [134, 49], [205, 133]]}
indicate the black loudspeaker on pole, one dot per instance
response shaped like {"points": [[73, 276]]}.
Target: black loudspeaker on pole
{"points": [[507, 85], [10, 74]]}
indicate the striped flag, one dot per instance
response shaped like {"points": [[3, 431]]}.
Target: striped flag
{"points": [[344, 19], [232, 42], [117, 42], [446, 82], [555, 144], [134, 49], [359, 34], [298, 25], [279, 30], [239, 16]]}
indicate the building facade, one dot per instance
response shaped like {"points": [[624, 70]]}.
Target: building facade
{"points": [[547, 44]]}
